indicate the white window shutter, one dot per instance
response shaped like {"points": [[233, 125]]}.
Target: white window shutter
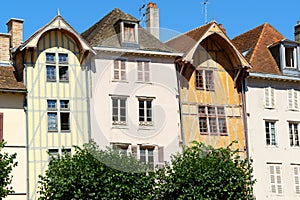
{"points": [[160, 157], [290, 99], [267, 97], [272, 97], [296, 179], [278, 179], [296, 102]]}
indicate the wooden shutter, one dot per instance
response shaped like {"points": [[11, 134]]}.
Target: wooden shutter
{"points": [[160, 156], [272, 178], [134, 151], [267, 97], [297, 179], [290, 99], [296, 99], [1, 127], [272, 97], [278, 179]]}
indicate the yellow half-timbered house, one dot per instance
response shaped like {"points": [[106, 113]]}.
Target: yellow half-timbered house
{"points": [[211, 74], [53, 64]]}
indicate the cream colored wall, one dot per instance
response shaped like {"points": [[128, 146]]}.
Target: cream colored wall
{"points": [[14, 133], [162, 86], [39, 91], [261, 153]]}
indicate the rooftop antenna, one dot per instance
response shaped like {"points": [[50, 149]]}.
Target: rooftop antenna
{"points": [[205, 10], [142, 11], [58, 12]]}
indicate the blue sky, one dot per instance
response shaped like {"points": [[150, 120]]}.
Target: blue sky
{"points": [[177, 16]]}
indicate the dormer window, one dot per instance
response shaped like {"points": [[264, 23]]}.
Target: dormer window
{"points": [[129, 34], [290, 57]]}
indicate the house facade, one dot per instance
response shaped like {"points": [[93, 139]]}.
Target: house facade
{"points": [[12, 96], [211, 87], [273, 115], [134, 102], [52, 65]]}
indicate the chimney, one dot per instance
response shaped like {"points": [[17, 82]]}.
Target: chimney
{"points": [[222, 28], [15, 29], [152, 19], [297, 32], [4, 48]]}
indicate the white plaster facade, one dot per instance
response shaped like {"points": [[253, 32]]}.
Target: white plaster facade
{"points": [[283, 183], [164, 131]]}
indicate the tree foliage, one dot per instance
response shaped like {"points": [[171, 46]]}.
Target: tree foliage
{"points": [[203, 172], [96, 174], [7, 164], [199, 172]]}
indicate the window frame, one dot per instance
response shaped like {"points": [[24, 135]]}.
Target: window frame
{"points": [[119, 69], [294, 126], [59, 114], [296, 178], [207, 79], [143, 110], [57, 66], [143, 71], [290, 57], [206, 115], [134, 29], [119, 98], [269, 128]]}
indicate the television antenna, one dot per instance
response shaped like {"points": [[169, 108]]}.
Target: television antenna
{"points": [[142, 11], [205, 2]]}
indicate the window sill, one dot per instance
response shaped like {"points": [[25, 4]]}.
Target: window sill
{"points": [[51, 80], [215, 134], [119, 126], [64, 81], [120, 81], [143, 82], [66, 131]]}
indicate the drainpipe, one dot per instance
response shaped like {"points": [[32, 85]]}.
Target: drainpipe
{"points": [[180, 103], [87, 78], [27, 130]]}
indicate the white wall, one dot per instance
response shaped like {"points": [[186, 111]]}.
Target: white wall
{"points": [[259, 151], [162, 86]]}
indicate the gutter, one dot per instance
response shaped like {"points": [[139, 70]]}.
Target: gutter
{"points": [[273, 76], [14, 91], [137, 51]]}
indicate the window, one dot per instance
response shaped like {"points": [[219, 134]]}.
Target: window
{"points": [[51, 73], [269, 97], [290, 55], [1, 127], [296, 169], [63, 73], [294, 134], [147, 156], [119, 107], [275, 178], [50, 57], [60, 63], [119, 69], [63, 58], [204, 79], [293, 99], [270, 133], [143, 71], [145, 112], [212, 119], [54, 153], [64, 115], [129, 33], [121, 148]]}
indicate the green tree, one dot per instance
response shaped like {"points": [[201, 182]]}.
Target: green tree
{"points": [[203, 172], [92, 173], [7, 164]]}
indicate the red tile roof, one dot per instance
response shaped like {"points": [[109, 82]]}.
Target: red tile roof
{"points": [[8, 80], [254, 44], [186, 41]]}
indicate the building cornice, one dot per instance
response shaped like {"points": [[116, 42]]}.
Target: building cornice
{"points": [[273, 77]]}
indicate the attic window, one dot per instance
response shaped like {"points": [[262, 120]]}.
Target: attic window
{"points": [[290, 57], [129, 34]]}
